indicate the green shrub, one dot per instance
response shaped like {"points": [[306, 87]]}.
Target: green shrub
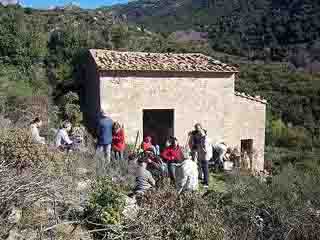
{"points": [[286, 208], [106, 203]]}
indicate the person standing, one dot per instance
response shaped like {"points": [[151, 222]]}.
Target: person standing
{"points": [[118, 141], [104, 131], [196, 140], [34, 128], [205, 155], [62, 140], [172, 155]]}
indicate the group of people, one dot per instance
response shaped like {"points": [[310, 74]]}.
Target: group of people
{"points": [[185, 166], [62, 139]]}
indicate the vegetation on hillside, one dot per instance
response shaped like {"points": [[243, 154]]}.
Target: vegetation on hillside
{"points": [[264, 29]]}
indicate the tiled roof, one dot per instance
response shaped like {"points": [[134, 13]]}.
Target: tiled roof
{"points": [[256, 98], [140, 61]]}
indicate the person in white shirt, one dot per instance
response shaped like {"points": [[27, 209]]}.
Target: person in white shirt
{"points": [[187, 175], [34, 128], [62, 138], [220, 148], [205, 155]]}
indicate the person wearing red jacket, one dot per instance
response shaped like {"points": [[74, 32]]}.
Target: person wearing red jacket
{"points": [[147, 145], [172, 155], [118, 141]]}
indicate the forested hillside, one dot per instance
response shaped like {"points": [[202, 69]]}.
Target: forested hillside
{"points": [[264, 29]]}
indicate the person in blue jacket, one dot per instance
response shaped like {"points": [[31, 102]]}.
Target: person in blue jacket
{"points": [[104, 131]]}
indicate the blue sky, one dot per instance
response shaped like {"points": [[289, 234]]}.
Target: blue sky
{"points": [[82, 3]]}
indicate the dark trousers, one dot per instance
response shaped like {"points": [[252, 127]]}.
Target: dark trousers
{"points": [[118, 156], [205, 170]]}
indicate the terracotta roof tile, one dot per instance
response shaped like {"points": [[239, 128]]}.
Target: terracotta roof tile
{"points": [[255, 98], [140, 61]]}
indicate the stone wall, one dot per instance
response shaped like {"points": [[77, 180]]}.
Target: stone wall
{"points": [[249, 123], [194, 99]]}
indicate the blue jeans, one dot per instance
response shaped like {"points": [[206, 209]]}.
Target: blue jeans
{"points": [[205, 171], [118, 156], [172, 171], [103, 154]]}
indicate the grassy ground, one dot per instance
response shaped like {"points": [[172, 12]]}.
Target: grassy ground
{"points": [[217, 182]]}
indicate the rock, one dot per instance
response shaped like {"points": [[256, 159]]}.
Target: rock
{"points": [[83, 185], [29, 234], [82, 171], [15, 215], [131, 208]]}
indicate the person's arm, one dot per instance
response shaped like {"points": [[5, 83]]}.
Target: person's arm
{"points": [[65, 138], [190, 142], [166, 154], [151, 179]]}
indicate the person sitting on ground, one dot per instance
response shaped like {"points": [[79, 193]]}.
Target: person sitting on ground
{"points": [[196, 140], [144, 178], [187, 175], [34, 128], [220, 149], [147, 145], [62, 140], [205, 155], [118, 141], [172, 155]]}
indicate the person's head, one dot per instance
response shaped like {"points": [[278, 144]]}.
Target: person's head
{"points": [[116, 126], [203, 132], [67, 125], [197, 127], [174, 142], [168, 142], [103, 113], [37, 121], [147, 139]]}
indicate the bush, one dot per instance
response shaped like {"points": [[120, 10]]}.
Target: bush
{"points": [[106, 202], [166, 215], [286, 208], [17, 150]]}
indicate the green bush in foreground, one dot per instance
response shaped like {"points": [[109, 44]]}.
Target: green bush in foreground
{"points": [[106, 203], [286, 208]]}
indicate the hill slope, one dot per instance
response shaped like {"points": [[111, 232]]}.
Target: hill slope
{"points": [[265, 29]]}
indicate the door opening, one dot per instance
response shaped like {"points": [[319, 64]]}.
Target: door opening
{"points": [[158, 124], [247, 153]]}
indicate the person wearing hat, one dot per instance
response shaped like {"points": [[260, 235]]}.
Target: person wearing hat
{"points": [[104, 131]]}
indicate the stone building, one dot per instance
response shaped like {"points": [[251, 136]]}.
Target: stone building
{"points": [[166, 94]]}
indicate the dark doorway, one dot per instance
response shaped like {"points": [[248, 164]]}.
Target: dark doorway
{"points": [[247, 145], [158, 124], [247, 153]]}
